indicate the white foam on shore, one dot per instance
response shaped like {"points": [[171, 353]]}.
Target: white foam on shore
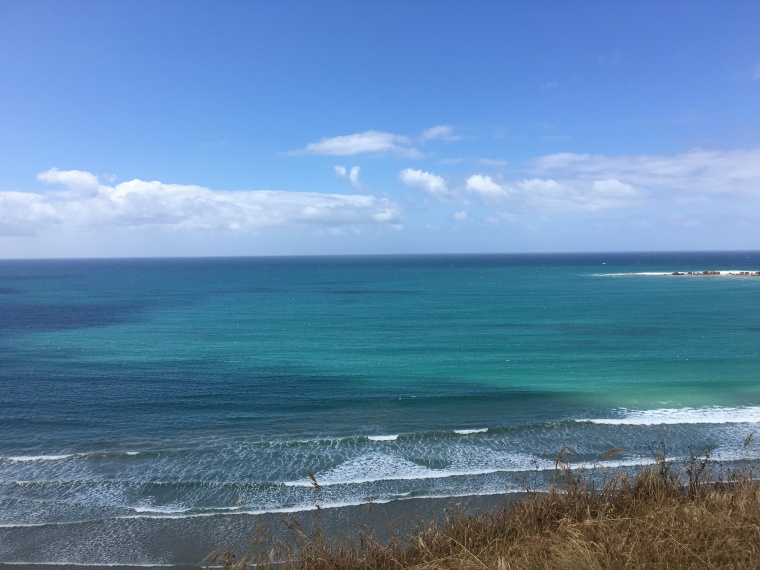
{"points": [[311, 506], [672, 416], [470, 431], [382, 437], [98, 564]]}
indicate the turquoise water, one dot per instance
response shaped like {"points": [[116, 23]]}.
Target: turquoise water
{"points": [[142, 399]]}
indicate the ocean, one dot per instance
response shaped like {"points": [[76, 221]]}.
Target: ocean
{"points": [[153, 409]]}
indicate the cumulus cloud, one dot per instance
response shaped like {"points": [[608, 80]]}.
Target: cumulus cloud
{"points": [[141, 204], [555, 194], [21, 213], [697, 172], [430, 183], [350, 176], [75, 180], [486, 188], [461, 216], [366, 142]]}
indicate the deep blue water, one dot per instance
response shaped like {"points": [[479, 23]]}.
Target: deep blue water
{"points": [[136, 394]]}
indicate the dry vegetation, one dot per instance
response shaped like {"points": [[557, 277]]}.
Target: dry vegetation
{"points": [[696, 517]]}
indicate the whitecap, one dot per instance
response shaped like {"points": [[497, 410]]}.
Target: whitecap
{"points": [[671, 416], [22, 458], [375, 467]]}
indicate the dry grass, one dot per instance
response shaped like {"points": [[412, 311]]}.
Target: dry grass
{"points": [[693, 518]]}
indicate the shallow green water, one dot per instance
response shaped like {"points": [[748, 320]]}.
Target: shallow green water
{"points": [[142, 393]]}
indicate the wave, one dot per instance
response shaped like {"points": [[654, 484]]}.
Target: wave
{"points": [[24, 458], [144, 513], [384, 437], [268, 444], [672, 416], [235, 511], [377, 467], [69, 456]]}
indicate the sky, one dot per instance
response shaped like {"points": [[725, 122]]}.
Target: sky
{"points": [[205, 128]]}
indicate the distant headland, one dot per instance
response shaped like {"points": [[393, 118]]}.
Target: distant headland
{"points": [[719, 273], [706, 273]]}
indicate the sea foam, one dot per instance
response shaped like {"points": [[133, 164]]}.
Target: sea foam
{"points": [[672, 416]]}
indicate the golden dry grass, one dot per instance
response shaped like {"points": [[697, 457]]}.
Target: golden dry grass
{"points": [[658, 519]]}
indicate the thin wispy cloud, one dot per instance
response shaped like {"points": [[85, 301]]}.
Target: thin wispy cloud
{"points": [[442, 132], [378, 142], [351, 176], [611, 58], [572, 181], [577, 195], [86, 203], [374, 142], [697, 172]]}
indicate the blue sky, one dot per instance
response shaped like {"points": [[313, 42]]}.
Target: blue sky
{"points": [[266, 128]]}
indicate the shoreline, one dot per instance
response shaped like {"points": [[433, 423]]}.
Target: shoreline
{"points": [[184, 543]]}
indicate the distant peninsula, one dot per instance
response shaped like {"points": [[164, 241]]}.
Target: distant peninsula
{"points": [[706, 273], [719, 273]]}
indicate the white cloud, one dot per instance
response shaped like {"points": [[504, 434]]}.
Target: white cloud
{"points": [[614, 189], [500, 216], [141, 204], [366, 142], [76, 180], [461, 216], [21, 213], [578, 195], [693, 173], [493, 162], [432, 184], [486, 188], [350, 176], [377, 142], [443, 132]]}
